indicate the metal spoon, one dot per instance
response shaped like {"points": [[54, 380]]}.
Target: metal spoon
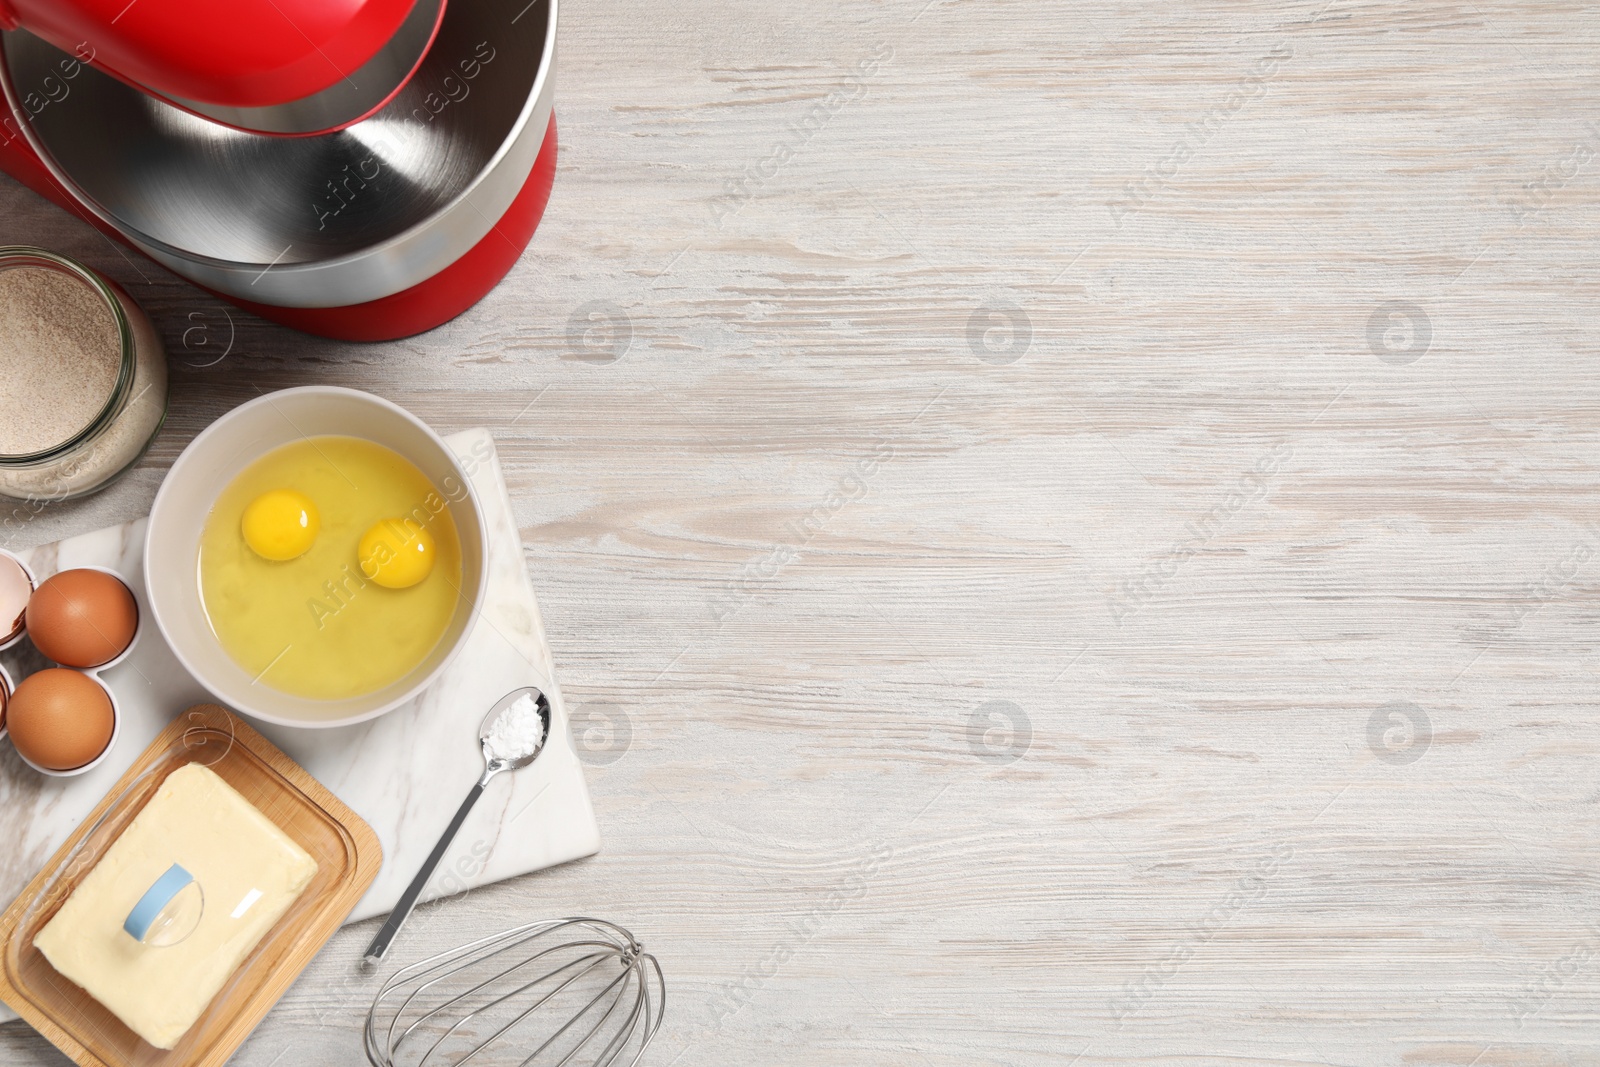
{"points": [[491, 767]]}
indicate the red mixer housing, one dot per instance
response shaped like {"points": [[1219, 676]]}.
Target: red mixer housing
{"points": [[243, 53], [250, 56]]}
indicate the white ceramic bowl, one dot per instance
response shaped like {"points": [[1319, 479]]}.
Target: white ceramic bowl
{"points": [[213, 459]]}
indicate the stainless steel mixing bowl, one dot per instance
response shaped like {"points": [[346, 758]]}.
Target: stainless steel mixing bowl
{"points": [[310, 222]]}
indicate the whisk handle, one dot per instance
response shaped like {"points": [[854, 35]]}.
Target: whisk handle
{"points": [[408, 900]]}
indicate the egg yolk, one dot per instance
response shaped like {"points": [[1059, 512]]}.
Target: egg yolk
{"points": [[280, 524], [397, 553]]}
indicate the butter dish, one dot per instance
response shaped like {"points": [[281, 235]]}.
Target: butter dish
{"points": [[334, 857], [196, 831]]}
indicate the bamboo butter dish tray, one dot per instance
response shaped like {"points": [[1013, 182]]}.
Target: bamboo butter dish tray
{"points": [[345, 848]]}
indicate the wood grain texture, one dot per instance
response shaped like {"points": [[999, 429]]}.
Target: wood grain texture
{"points": [[1211, 385]]}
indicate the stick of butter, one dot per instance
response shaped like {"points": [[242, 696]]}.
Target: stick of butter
{"points": [[248, 869]]}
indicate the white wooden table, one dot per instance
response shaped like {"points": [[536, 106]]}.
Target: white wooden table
{"points": [[1090, 550]]}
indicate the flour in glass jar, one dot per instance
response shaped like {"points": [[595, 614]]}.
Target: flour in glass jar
{"points": [[60, 351]]}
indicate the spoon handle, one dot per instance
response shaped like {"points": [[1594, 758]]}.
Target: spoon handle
{"points": [[408, 900]]}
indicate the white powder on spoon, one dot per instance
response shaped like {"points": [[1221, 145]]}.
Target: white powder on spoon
{"points": [[517, 731], [60, 353]]}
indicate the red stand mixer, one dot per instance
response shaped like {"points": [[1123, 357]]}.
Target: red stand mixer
{"points": [[358, 169]]}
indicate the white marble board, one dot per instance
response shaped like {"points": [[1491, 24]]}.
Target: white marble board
{"points": [[404, 773]]}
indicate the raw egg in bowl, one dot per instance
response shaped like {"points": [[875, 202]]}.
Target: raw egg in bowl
{"points": [[316, 557]]}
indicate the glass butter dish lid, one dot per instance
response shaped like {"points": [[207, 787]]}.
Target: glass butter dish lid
{"points": [[168, 895]]}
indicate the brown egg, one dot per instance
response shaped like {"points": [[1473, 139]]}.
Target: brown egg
{"points": [[82, 618], [60, 719]]}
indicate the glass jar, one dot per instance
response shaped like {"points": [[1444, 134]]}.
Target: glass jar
{"points": [[91, 456]]}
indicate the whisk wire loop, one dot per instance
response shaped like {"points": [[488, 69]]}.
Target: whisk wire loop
{"points": [[581, 992]]}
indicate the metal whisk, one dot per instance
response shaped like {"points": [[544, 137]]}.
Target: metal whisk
{"points": [[573, 991]]}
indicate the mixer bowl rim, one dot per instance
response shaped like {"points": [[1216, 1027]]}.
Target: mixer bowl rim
{"points": [[534, 104]]}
